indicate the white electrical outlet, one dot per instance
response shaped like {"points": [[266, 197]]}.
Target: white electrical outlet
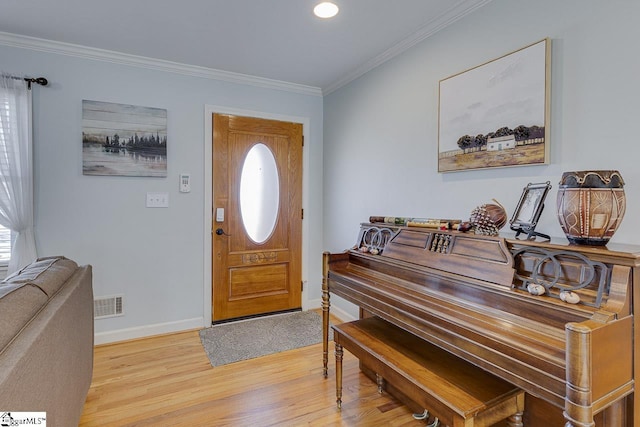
{"points": [[157, 200]]}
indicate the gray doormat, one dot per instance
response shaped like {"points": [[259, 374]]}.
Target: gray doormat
{"points": [[247, 339]]}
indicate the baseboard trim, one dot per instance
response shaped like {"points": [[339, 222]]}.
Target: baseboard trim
{"points": [[147, 331], [335, 310]]}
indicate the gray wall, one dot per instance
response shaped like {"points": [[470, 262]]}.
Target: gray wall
{"points": [[381, 131], [155, 257]]}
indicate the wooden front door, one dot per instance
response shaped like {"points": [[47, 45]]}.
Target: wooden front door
{"points": [[257, 216]]}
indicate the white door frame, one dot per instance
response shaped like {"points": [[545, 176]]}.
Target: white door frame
{"points": [[209, 110]]}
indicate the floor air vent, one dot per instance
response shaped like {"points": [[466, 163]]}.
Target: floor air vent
{"points": [[107, 307]]}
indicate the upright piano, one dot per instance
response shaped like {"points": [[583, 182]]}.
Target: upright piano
{"points": [[554, 319]]}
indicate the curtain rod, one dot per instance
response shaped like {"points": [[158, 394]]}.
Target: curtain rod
{"points": [[39, 80]]}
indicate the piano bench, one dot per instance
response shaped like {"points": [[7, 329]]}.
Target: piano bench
{"points": [[458, 393]]}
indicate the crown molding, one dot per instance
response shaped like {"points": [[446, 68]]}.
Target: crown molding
{"points": [[94, 54], [458, 11]]}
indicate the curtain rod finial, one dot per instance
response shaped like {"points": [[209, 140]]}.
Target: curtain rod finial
{"points": [[40, 80]]}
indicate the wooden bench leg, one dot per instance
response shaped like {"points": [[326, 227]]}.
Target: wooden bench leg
{"points": [[380, 382], [339, 353], [515, 420]]}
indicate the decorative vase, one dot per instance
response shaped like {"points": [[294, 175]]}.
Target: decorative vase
{"points": [[591, 205]]}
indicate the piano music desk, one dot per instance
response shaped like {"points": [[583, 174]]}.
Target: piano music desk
{"points": [[455, 391]]}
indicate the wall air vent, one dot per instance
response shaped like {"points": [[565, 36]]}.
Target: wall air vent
{"points": [[110, 306]]}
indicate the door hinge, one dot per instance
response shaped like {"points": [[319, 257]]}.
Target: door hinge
{"points": [[301, 213], [303, 140], [302, 285]]}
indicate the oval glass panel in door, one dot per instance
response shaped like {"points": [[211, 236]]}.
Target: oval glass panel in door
{"points": [[259, 193]]}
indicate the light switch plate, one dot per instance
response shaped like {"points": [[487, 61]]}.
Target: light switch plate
{"points": [[157, 200]]}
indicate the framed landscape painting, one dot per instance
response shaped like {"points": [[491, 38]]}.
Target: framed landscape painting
{"points": [[123, 140], [496, 114]]}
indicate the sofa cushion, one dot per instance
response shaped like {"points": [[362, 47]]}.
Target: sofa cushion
{"points": [[47, 274], [18, 307]]}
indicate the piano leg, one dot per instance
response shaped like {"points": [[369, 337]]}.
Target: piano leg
{"points": [[614, 415], [325, 315], [325, 338], [570, 424], [339, 353], [575, 423], [587, 367]]}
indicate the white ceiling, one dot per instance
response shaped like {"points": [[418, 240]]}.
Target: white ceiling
{"points": [[272, 39]]}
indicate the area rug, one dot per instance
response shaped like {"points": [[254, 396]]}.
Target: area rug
{"points": [[247, 339]]}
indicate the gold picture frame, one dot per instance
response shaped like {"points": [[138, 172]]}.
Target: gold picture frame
{"points": [[497, 114]]}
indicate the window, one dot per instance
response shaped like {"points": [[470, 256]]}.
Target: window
{"points": [[5, 233], [15, 164], [5, 245]]}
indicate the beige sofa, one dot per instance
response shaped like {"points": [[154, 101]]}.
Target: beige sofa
{"points": [[46, 340]]}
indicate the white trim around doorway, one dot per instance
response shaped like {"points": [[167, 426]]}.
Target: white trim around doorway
{"points": [[209, 110]]}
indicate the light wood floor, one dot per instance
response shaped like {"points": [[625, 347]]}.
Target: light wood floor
{"points": [[168, 381]]}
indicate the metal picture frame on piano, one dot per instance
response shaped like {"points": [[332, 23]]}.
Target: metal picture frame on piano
{"points": [[529, 209]]}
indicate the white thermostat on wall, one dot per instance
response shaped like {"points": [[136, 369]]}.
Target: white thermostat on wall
{"points": [[185, 182]]}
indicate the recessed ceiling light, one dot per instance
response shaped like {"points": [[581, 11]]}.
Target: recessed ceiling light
{"points": [[326, 9]]}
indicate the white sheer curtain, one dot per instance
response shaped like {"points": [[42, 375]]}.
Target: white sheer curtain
{"points": [[16, 169]]}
